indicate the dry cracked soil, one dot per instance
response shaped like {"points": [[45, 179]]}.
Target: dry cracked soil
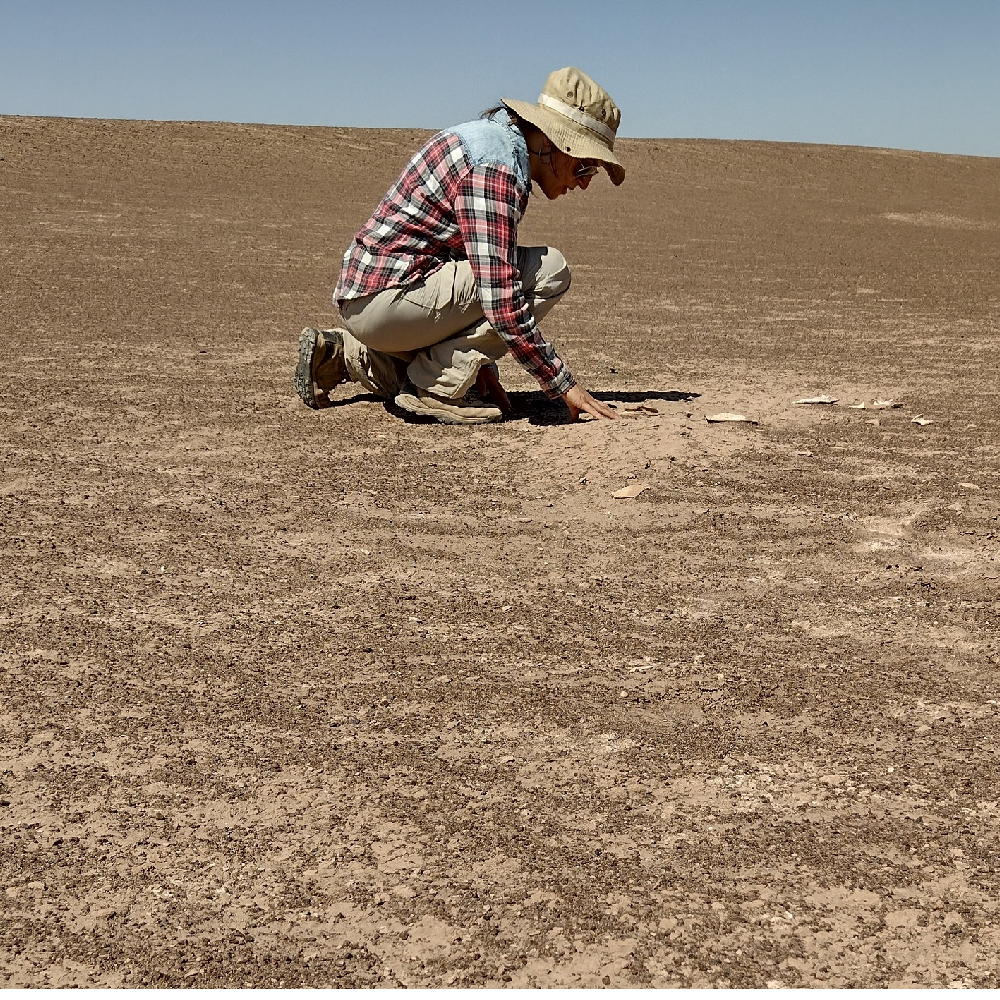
{"points": [[336, 699]]}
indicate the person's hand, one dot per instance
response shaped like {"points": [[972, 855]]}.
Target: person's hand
{"points": [[578, 400], [489, 387]]}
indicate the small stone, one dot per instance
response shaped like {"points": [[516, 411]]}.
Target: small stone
{"points": [[630, 492], [729, 418]]}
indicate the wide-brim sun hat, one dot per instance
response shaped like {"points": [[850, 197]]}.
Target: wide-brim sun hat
{"points": [[578, 116]]}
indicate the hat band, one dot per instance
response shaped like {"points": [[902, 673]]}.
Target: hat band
{"points": [[580, 117]]}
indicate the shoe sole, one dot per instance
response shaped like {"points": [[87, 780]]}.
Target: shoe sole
{"points": [[416, 406], [307, 390]]}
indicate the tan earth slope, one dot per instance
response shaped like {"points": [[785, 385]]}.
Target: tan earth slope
{"points": [[296, 698]]}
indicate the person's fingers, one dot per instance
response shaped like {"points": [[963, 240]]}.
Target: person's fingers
{"points": [[578, 401], [601, 408], [596, 408], [489, 385]]}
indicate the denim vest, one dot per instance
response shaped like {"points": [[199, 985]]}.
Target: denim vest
{"points": [[496, 140]]}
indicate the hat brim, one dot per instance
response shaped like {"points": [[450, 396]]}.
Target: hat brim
{"points": [[569, 137]]}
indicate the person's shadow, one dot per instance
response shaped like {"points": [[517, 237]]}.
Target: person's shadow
{"points": [[535, 407], [361, 397]]}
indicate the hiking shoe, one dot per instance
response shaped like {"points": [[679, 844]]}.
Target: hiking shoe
{"points": [[468, 409], [321, 366]]}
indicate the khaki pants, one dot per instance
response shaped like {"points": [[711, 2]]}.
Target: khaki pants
{"points": [[434, 333]]}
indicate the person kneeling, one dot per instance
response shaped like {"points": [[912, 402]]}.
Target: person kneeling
{"points": [[435, 288]]}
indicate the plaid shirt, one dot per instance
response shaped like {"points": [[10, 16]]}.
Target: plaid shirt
{"points": [[442, 208]]}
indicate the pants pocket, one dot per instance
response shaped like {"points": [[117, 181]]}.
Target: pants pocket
{"points": [[436, 293]]}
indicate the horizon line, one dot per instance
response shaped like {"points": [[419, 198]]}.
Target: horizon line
{"points": [[430, 130]]}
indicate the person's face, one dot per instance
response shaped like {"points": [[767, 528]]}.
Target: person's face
{"points": [[557, 173]]}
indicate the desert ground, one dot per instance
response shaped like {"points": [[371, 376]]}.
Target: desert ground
{"points": [[297, 698]]}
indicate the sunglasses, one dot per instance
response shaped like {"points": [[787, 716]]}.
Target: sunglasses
{"points": [[586, 170]]}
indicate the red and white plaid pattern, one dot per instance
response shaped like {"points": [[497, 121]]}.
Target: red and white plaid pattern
{"points": [[442, 208]]}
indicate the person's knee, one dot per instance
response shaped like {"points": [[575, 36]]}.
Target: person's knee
{"points": [[554, 275]]}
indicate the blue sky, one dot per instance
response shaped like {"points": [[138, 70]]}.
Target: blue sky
{"points": [[913, 74]]}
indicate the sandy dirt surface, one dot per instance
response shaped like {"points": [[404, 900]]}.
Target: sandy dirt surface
{"points": [[298, 698]]}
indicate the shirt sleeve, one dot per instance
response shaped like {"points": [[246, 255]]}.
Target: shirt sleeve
{"points": [[487, 216]]}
